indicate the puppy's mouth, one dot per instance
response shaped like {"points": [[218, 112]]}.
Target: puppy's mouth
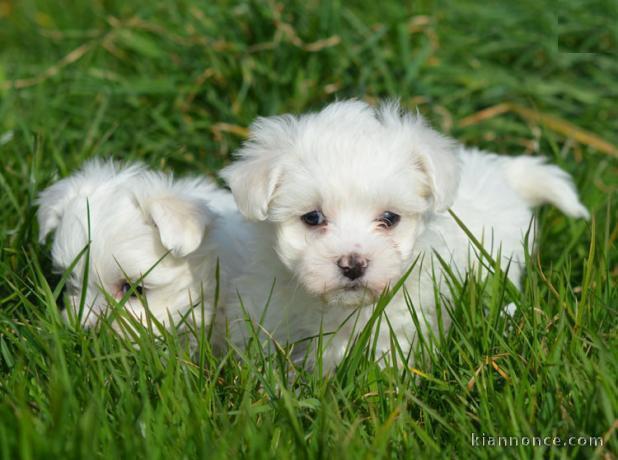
{"points": [[354, 286], [352, 294]]}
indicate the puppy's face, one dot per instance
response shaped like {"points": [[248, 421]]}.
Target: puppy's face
{"points": [[347, 230], [347, 190], [145, 246]]}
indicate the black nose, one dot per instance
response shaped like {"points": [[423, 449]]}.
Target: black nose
{"points": [[353, 266]]}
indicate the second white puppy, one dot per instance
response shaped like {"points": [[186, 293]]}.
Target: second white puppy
{"points": [[346, 199], [153, 240]]}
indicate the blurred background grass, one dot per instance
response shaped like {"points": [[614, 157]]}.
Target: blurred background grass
{"points": [[175, 84], [163, 80]]}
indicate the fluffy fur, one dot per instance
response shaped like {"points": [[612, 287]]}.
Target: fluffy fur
{"points": [[353, 163], [140, 223]]}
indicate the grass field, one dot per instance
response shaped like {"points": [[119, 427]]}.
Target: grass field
{"points": [[174, 84]]}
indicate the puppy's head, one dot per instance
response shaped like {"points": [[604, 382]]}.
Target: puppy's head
{"points": [[146, 236], [347, 189]]}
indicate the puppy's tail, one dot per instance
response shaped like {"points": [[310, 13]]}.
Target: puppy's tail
{"points": [[538, 183]]}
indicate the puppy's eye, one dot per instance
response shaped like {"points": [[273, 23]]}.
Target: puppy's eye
{"points": [[313, 218], [126, 287], [388, 219]]}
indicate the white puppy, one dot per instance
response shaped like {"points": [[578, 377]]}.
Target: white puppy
{"points": [[153, 240], [348, 198]]}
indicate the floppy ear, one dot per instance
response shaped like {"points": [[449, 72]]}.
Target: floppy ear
{"points": [[52, 203], [254, 177], [434, 154], [181, 222]]}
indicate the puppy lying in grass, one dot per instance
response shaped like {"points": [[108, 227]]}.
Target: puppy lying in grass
{"points": [[139, 239], [346, 200]]}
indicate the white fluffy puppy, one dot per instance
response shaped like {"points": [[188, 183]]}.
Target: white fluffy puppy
{"points": [[153, 239], [347, 198]]}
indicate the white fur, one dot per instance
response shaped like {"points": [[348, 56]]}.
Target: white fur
{"points": [[354, 162], [133, 218]]}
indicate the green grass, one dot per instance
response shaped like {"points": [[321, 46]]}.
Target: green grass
{"points": [[173, 84]]}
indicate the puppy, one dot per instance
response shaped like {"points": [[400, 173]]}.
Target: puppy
{"points": [[152, 240], [347, 199]]}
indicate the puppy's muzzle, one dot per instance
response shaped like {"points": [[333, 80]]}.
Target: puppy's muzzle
{"points": [[353, 265]]}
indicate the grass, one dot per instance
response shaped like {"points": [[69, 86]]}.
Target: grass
{"points": [[174, 84]]}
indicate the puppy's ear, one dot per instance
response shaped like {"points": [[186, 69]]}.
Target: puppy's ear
{"points": [[181, 222], [432, 153], [435, 155], [53, 202], [254, 177]]}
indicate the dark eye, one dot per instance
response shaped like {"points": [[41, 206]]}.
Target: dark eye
{"points": [[313, 218], [126, 287], [388, 219]]}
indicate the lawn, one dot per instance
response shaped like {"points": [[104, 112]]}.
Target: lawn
{"points": [[175, 84]]}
